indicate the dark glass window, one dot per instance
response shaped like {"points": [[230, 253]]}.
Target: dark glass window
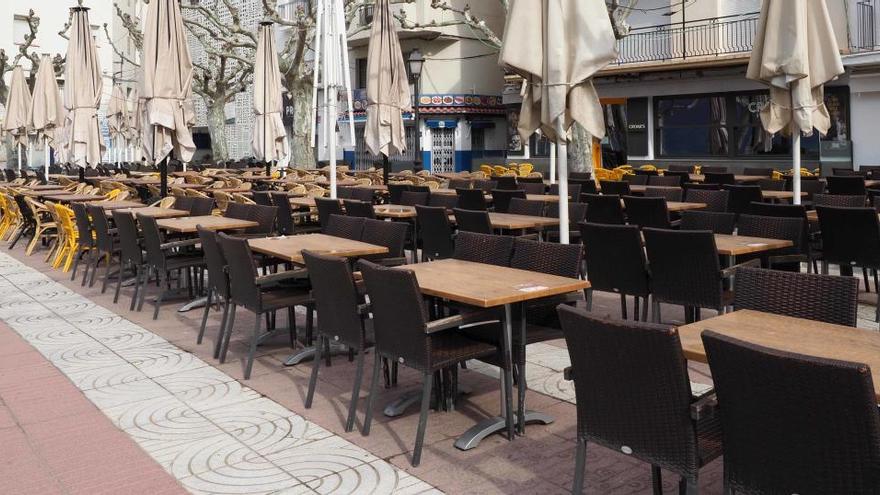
{"points": [[692, 126]]}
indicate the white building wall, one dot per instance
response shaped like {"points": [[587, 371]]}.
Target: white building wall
{"points": [[864, 108]]}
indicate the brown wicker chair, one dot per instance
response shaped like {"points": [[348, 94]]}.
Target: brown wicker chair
{"points": [[717, 222], [715, 200], [616, 263], [345, 227], [774, 227], [827, 298], [483, 248], [793, 423], [634, 396]]}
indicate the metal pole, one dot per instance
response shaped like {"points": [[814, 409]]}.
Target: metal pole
{"points": [[417, 159], [553, 164], [562, 174]]}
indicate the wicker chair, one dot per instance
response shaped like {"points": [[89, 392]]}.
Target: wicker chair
{"points": [[183, 203], [577, 212], [665, 180], [447, 201], [604, 208], [718, 223], [612, 187], [413, 198], [345, 226], [201, 207], [839, 200], [685, 270], [405, 334], [356, 208], [826, 298], [326, 208], [720, 178], [86, 244], [741, 198], [813, 420], [532, 187], [716, 201], [485, 185], [635, 180], [472, 221], [435, 233], [342, 314], [483, 248], [364, 194], [395, 191], [633, 395], [665, 192], [259, 295], [791, 229], [647, 212], [392, 235], [574, 190], [519, 206], [131, 255], [771, 185], [217, 286], [44, 226], [616, 263], [501, 198], [849, 186], [471, 199]]}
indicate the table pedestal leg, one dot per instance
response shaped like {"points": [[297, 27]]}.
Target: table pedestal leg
{"points": [[309, 353]]}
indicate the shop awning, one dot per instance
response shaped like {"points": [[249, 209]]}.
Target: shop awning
{"points": [[442, 124]]}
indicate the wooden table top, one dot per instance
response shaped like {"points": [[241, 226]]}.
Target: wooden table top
{"points": [[780, 194], [302, 202], [683, 206], [788, 334], [289, 248], [71, 198], [641, 188], [189, 186], [739, 178], [515, 222], [735, 245], [45, 187], [395, 211], [153, 211], [116, 205], [487, 286], [39, 194], [210, 222]]}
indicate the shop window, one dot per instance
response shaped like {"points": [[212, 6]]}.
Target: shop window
{"points": [[692, 126]]}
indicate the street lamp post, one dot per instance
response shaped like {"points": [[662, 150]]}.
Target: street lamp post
{"points": [[416, 61]]}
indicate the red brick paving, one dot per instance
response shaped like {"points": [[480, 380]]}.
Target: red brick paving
{"points": [[53, 440]]}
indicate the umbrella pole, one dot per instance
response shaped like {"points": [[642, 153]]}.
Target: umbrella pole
{"points": [[553, 164], [796, 169], [19, 156], [46, 164], [385, 167], [562, 175]]}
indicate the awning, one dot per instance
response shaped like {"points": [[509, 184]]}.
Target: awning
{"points": [[442, 124]]}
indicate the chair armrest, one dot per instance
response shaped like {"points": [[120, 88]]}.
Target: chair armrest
{"points": [[176, 244], [728, 272], [704, 407], [456, 321], [280, 277]]}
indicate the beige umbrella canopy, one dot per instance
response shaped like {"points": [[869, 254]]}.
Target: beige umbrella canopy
{"points": [[795, 53], [82, 93], [557, 47], [18, 106], [388, 93], [117, 116], [270, 139], [47, 111], [133, 127], [166, 85]]}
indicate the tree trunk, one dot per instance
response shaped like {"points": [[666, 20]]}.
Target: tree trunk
{"points": [[302, 155], [581, 150], [217, 129]]}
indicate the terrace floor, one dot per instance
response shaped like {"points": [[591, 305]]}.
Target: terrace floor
{"points": [[131, 381]]}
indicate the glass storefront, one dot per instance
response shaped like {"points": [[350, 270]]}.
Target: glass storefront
{"points": [[728, 125]]}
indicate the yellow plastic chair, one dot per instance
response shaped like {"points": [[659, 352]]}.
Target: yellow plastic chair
{"points": [[487, 170], [68, 245], [525, 169]]}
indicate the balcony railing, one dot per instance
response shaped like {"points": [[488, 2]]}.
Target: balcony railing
{"points": [[682, 40], [865, 35]]}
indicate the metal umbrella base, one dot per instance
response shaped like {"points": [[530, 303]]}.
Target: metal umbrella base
{"points": [[488, 426], [309, 353]]}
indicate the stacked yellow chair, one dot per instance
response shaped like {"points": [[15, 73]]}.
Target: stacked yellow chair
{"points": [[69, 238]]}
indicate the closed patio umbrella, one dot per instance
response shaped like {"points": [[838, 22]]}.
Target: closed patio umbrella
{"points": [[47, 111], [133, 128], [795, 53], [82, 93], [270, 139], [557, 46], [166, 88], [387, 88], [117, 119], [18, 106]]}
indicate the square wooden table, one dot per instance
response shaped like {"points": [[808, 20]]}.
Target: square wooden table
{"points": [[116, 205], [788, 334], [187, 225], [289, 248], [684, 206], [154, 212], [744, 179], [780, 195], [490, 286], [395, 211], [735, 245], [510, 221], [70, 198]]}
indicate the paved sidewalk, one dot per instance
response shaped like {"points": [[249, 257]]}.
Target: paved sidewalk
{"points": [[54, 440]]}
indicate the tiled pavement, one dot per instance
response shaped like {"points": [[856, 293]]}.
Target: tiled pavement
{"points": [[179, 418]]}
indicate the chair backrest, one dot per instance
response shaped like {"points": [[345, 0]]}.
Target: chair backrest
{"points": [[758, 171], [632, 388], [668, 193], [265, 218], [615, 258], [718, 223], [103, 239], [506, 182], [391, 235], [238, 211], [460, 183], [563, 260], [740, 198], [472, 221], [519, 206], [483, 248], [83, 224], [850, 235], [262, 198], [574, 189], [681, 168], [771, 185], [604, 208], [610, 187], [152, 241], [814, 420], [435, 232], [485, 185], [129, 246], [326, 208], [826, 298], [684, 267], [786, 228], [362, 194], [399, 313], [636, 179], [647, 212], [502, 197], [715, 200], [395, 191], [183, 203], [447, 201], [412, 198], [355, 208], [723, 178], [587, 186], [470, 199], [849, 185], [665, 180], [201, 206], [533, 187], [285, 213], [713, 169], [839, 200], [345, 227], [336, 298], [215, 261], [577, 212], [242, 271]]}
